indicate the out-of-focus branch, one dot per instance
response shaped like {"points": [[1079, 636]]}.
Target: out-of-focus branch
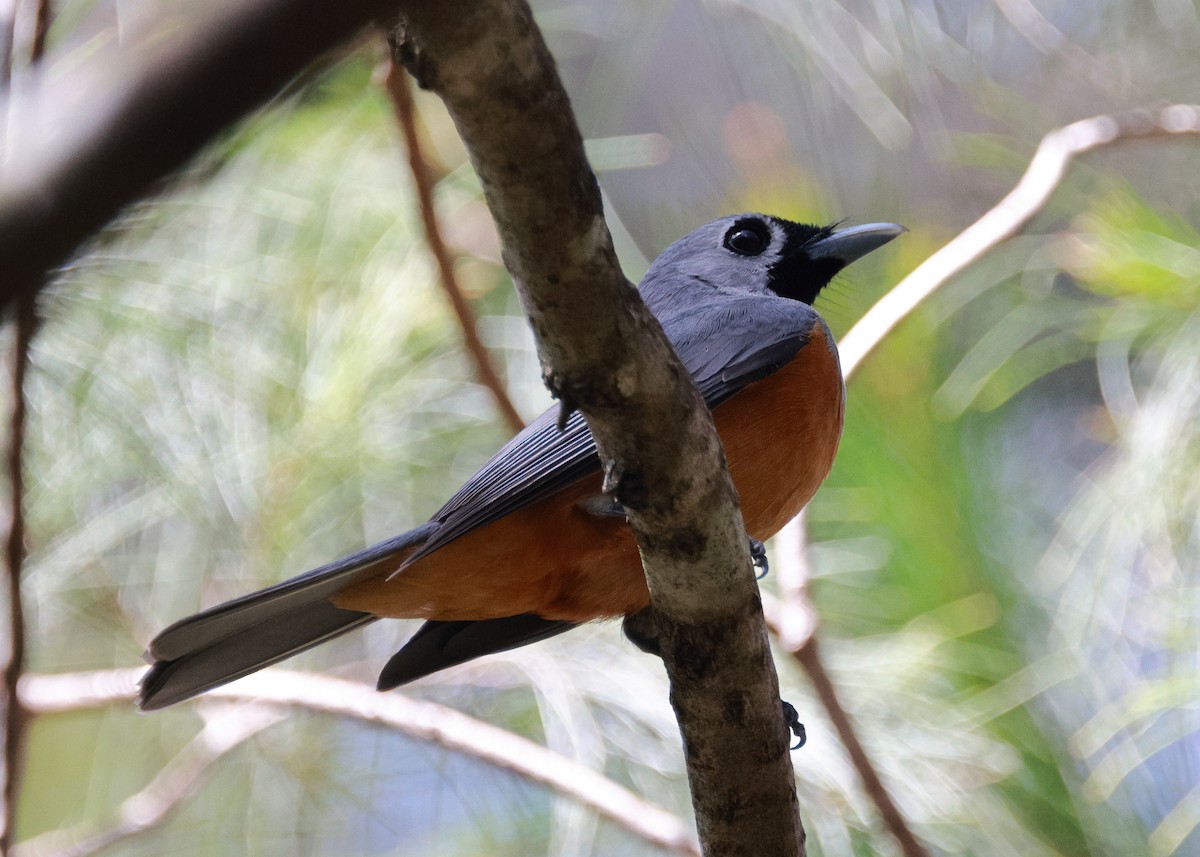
{"points": [[42, 16], [178, 780], [84, 138], [396, 81], [793, 621], [25, 324], [1040, 32], [606, 355], [15, 720], [1045, 171], [427, 721]]}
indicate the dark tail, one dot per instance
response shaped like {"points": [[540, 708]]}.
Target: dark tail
{"points": [[236, 638]]}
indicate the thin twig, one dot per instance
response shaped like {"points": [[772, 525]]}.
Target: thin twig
{"points": [[179, 779], [15, 720], [398, 87], [793, 621], [426, 721], [1045, 171]]}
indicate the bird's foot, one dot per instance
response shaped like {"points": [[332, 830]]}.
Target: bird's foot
{"points": [[758, 556], [792, 718]]}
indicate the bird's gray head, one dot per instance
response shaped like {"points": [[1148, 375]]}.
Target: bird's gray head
{"points": [[757, 253]]}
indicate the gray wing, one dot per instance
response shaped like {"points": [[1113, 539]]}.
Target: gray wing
{"points": [[725, 345]]}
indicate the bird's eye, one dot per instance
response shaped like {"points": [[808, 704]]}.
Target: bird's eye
{"points": [[747, 240]]}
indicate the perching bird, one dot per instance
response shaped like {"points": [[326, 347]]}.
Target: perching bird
{"points": [[529, 547]]}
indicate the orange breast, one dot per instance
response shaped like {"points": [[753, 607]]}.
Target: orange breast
{"points": [[554, 559]]}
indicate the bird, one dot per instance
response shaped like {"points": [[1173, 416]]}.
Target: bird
{"points": [[530, 546]]}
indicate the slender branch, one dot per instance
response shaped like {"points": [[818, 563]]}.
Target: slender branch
{"points": [[605, 355], [15, 720], [396, 81], [793, 621], [426, 721], [178, 780], [1045, 171]]}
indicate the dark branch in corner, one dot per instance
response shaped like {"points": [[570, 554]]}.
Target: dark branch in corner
{"points": [[125, 119], [606, 355], [400, 91]]}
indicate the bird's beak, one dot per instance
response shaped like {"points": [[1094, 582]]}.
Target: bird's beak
{"points": [[852, 243]]}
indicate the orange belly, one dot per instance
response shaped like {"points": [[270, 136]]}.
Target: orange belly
{"points": [[556, 560]]}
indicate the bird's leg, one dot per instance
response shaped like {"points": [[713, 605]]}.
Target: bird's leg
{"points": [[641, 628]]}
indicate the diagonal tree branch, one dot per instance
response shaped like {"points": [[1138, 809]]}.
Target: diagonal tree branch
{"points": [[426, 721], [178, 780], [1047, 168], [606, 355], [794, 620], [398, 87]]}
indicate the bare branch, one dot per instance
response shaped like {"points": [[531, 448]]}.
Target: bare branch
{"points": [[15, 720], [398, 88], [1045, 171], [427, 721], [225, 729], [85, 138], [793, 621], [607, 356]]}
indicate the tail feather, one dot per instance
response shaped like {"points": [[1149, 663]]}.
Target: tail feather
{"points": [[236, 638]]}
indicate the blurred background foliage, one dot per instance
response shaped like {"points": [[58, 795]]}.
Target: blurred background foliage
{"points": [[255, 371]]}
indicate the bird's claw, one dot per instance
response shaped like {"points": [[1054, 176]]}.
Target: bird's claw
{"points": [[758, 556], [792, 718]]}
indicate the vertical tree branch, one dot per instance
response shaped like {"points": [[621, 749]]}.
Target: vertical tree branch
{"points": [[15, 720], [396, 81]]}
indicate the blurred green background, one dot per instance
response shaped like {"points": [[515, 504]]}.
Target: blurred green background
{"points": [[255, 372]]}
